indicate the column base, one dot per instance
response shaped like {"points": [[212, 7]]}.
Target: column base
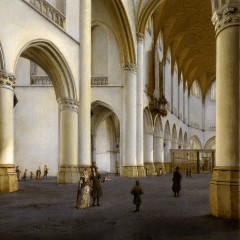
{"points": [[8, 178], [141, 171], [149, 168], [68, 175], [159, 168], [129, 171], [168, 167], [224, 192]]}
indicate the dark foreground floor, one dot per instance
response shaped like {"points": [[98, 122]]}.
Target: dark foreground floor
{"points": [[44, 210]]}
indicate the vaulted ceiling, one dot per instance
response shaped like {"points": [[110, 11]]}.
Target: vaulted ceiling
{"points": [[187, 29]]}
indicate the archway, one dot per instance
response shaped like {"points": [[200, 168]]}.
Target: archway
{"points": [[211, 143], [167, 147], [62, 116], [105, 138], [148, 142], [174, 137], [195, 142]]}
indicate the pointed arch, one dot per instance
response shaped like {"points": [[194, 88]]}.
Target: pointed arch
{"points": [[210, 144], [147, 121], [146, 13], [100, 112], [124, 32], [195, 142], [174, 133], [158, 131], [167, 131], [185, 140], [50, 59], [180, 137]]}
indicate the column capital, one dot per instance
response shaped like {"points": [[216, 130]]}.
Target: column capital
{"points": [[225, 16], [129, 67], [7, 80], [140, 37], [68, 104]]}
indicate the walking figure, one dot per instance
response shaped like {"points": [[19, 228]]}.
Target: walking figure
{"points": [[24, 175], [31, 175], [38, 173], [45, 172], [18, 173], [137, 192], [176, 186]]}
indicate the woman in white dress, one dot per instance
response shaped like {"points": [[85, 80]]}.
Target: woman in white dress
{"points": [[83, 196]]}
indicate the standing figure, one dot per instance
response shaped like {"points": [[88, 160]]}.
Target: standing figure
{"points": [[45, 172], [160, 171], [38, 173], [96, 185], [137, 192], [24, 175], [190, 172], [31, 175], [146, 169], [176, 186], [83, 196], [187, 172], [18, 173]]}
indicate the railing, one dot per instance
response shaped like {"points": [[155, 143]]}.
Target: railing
{"points": [[48, 11], [99, 81], [212, 128], [195, 125], [40, 80]]}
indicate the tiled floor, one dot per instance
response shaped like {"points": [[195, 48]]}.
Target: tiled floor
{"points": [[44, 210]]}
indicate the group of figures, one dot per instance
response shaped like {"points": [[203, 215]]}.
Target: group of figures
{"points": [[85, 191], [38, 173]]}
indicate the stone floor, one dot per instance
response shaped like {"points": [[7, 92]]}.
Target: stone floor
{"points": [[44, 210]]}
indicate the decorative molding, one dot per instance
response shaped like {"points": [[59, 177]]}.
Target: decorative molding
{"points": [[68, 104], [129, 67], [225, 17], [140, 37], [99, 81], [7, 80], [40, 80]]}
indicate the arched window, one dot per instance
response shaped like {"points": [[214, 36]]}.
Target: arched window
{"points": [[195, 90], [213, 91]]}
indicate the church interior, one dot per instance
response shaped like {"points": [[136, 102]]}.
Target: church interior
{"points": [[133, 87]]}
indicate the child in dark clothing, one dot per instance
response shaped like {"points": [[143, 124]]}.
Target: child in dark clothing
{"points": [[137, 192]]}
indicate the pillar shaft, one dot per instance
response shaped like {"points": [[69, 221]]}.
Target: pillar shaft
{"points": [[224, 186], [8, 178], [129, 138], [139, 122], [68, 139], [85, 84], [158, 149]]}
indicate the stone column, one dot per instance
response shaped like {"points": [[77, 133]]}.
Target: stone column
{"points": [[8, 176], [68, 140], [85, 85], [129, 121], [224, 186], [158, 153], [167, 157], [139, 122], [148, 153]]}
